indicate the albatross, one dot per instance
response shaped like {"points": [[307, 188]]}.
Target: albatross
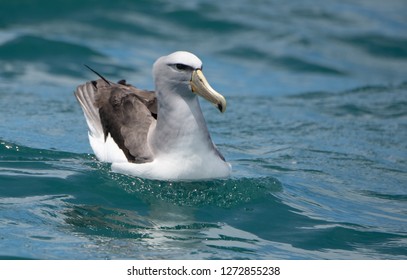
{"points": [[159, 134]]}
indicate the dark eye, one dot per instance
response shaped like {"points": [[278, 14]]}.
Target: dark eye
{"points": [[180, 66]]}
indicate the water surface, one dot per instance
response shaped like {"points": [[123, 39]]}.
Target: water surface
{"points": [[316, 131]]}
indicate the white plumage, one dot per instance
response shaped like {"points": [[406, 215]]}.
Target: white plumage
{"points": [[157, 135]]}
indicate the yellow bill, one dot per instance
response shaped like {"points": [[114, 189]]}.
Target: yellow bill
{"points": [[200, 86]]}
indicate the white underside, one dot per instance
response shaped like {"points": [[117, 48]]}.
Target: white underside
{"points": [[197, 166], [106, 151]]}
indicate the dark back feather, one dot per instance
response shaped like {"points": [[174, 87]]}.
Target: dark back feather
{"points": [[126, 113]]}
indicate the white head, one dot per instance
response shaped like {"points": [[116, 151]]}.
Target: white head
{"points": [[181, 73]]}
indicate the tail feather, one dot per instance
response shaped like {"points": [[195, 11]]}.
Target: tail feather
{"points": [[85, 94]]}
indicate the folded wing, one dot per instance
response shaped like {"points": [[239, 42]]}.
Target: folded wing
{"points": [[121, 111]]}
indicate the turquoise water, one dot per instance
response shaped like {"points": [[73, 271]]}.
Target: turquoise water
{"points": [[316, 131]]}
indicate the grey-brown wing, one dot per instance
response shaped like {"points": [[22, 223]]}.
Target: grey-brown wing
{"points": [[126, 113]]}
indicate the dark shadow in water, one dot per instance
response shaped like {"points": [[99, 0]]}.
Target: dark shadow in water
{"points": [[221, 193]]}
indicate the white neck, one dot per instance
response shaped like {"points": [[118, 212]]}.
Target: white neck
{"points": [[180, 127]]}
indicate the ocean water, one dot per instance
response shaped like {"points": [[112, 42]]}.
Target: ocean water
{"points": [[316, 131]]}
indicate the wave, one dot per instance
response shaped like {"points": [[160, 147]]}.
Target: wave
{"points": [[84, 170], [379, 45], [286, 62], [379, 101]]}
